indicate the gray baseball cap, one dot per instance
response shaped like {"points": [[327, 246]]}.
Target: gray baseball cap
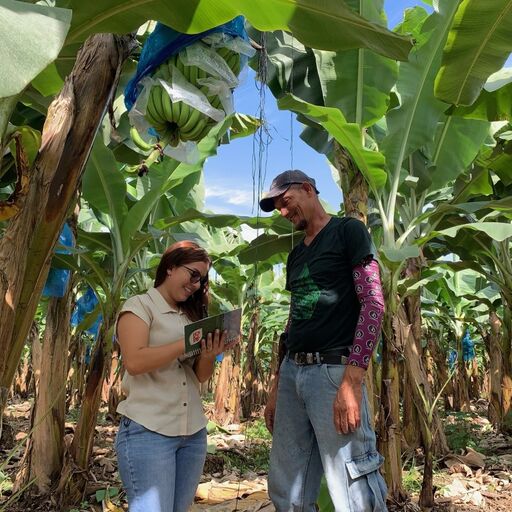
{"points": [[282, 182]]}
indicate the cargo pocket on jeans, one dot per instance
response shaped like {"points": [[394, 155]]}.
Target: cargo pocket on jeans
{"points": [[367, 489]]}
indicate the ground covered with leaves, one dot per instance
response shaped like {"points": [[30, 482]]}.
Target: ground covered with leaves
{"points": [[477, 475]]}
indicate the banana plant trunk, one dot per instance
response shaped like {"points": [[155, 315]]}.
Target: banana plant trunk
{"points": [[411, 428], [112, 392], [495, 367], [506, 372], [227, 395], [68, 134], [74, 474], [252, 395], [44, 452], [389, 431], [431, 430], [460, 383], [442, 373]]}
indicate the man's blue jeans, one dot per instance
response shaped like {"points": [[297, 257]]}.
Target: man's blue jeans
{"points": [[305, 445], [159, 473]]}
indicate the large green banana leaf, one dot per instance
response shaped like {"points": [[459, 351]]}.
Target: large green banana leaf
{"points": [[370, 163], [494, 103], [104, 188], [479, 43], [32, 37], [358, 82], [413, 123], [498, 231], [467, 135], [329, 24]]}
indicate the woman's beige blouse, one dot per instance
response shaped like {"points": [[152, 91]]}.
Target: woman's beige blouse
{"points": [[166, 400]]}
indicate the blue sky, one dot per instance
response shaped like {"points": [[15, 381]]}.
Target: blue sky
{"points": [[229, 175]]}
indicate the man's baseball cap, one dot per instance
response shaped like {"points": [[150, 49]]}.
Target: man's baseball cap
{"points": [[282, 182]]}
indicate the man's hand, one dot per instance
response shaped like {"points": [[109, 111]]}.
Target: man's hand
{"points": [[270, 408], [347, 405]]}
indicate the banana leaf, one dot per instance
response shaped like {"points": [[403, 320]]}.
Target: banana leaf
{"points": [[478, 44], [330, 24], [32, 37]]}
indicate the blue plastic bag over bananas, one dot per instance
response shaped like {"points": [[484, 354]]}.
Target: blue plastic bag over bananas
{"points": [[183, 84]]}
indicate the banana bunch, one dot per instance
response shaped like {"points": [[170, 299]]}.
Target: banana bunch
{"points": [[175, 121]]}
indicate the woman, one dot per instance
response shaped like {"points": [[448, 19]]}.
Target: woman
{"points": [[161, 442]]}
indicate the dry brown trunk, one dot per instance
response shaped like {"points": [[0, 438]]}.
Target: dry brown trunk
{"points": [[227, 396], [111, 393], [252, 396], [24, 384], [68, 134], [74, 475], [411, 422], [431, 433], [506, 371], [460, 387], [353, 184], [442, 374], [45, 449], [389, 420]]}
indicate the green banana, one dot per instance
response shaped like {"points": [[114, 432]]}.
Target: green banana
{"points": [[194, 118], [223, 51], [195, 132], [192, 72], [166, 105], [157, 100], [154, 106], [215, 102], [156, 122], [176, 110], [139, 141], [184, 114], [234, 63], [201, 73], [175, 120], [205, 131], [171, 64]]}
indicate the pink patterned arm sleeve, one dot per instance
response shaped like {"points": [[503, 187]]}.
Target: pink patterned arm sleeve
{"points": [[369, 293]]}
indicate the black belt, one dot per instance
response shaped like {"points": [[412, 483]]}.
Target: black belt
{"points": [[305, 358]]}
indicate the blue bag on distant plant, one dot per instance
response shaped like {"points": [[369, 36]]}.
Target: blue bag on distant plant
{"points": [[468, 347], [58, 278], [84, 306], [452, 359]]}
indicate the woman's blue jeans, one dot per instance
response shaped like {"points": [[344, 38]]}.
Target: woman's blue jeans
{"points": [[159, 473], [306, 445]]}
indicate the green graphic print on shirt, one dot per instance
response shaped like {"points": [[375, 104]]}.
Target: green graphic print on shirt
{"points": [[305, 297]]}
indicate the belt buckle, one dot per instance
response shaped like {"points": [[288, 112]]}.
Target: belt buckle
{"points": [[310, 358], [300, 358]]}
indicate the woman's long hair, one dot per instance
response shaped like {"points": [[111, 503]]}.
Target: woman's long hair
{"points": [[176, 255]]}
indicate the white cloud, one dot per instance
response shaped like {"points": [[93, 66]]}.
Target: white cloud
{"points": [[233, 196]]}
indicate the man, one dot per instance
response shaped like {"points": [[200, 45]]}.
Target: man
{"points": [[318, 408]]}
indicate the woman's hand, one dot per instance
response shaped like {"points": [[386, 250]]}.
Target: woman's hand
{"points": [[210, 349], [213, 345]]}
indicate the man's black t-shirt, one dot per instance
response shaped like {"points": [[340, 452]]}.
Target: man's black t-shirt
{"points": [[324, 305]]}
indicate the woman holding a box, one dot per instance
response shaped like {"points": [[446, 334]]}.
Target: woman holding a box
{"points": [[161, 442]]}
